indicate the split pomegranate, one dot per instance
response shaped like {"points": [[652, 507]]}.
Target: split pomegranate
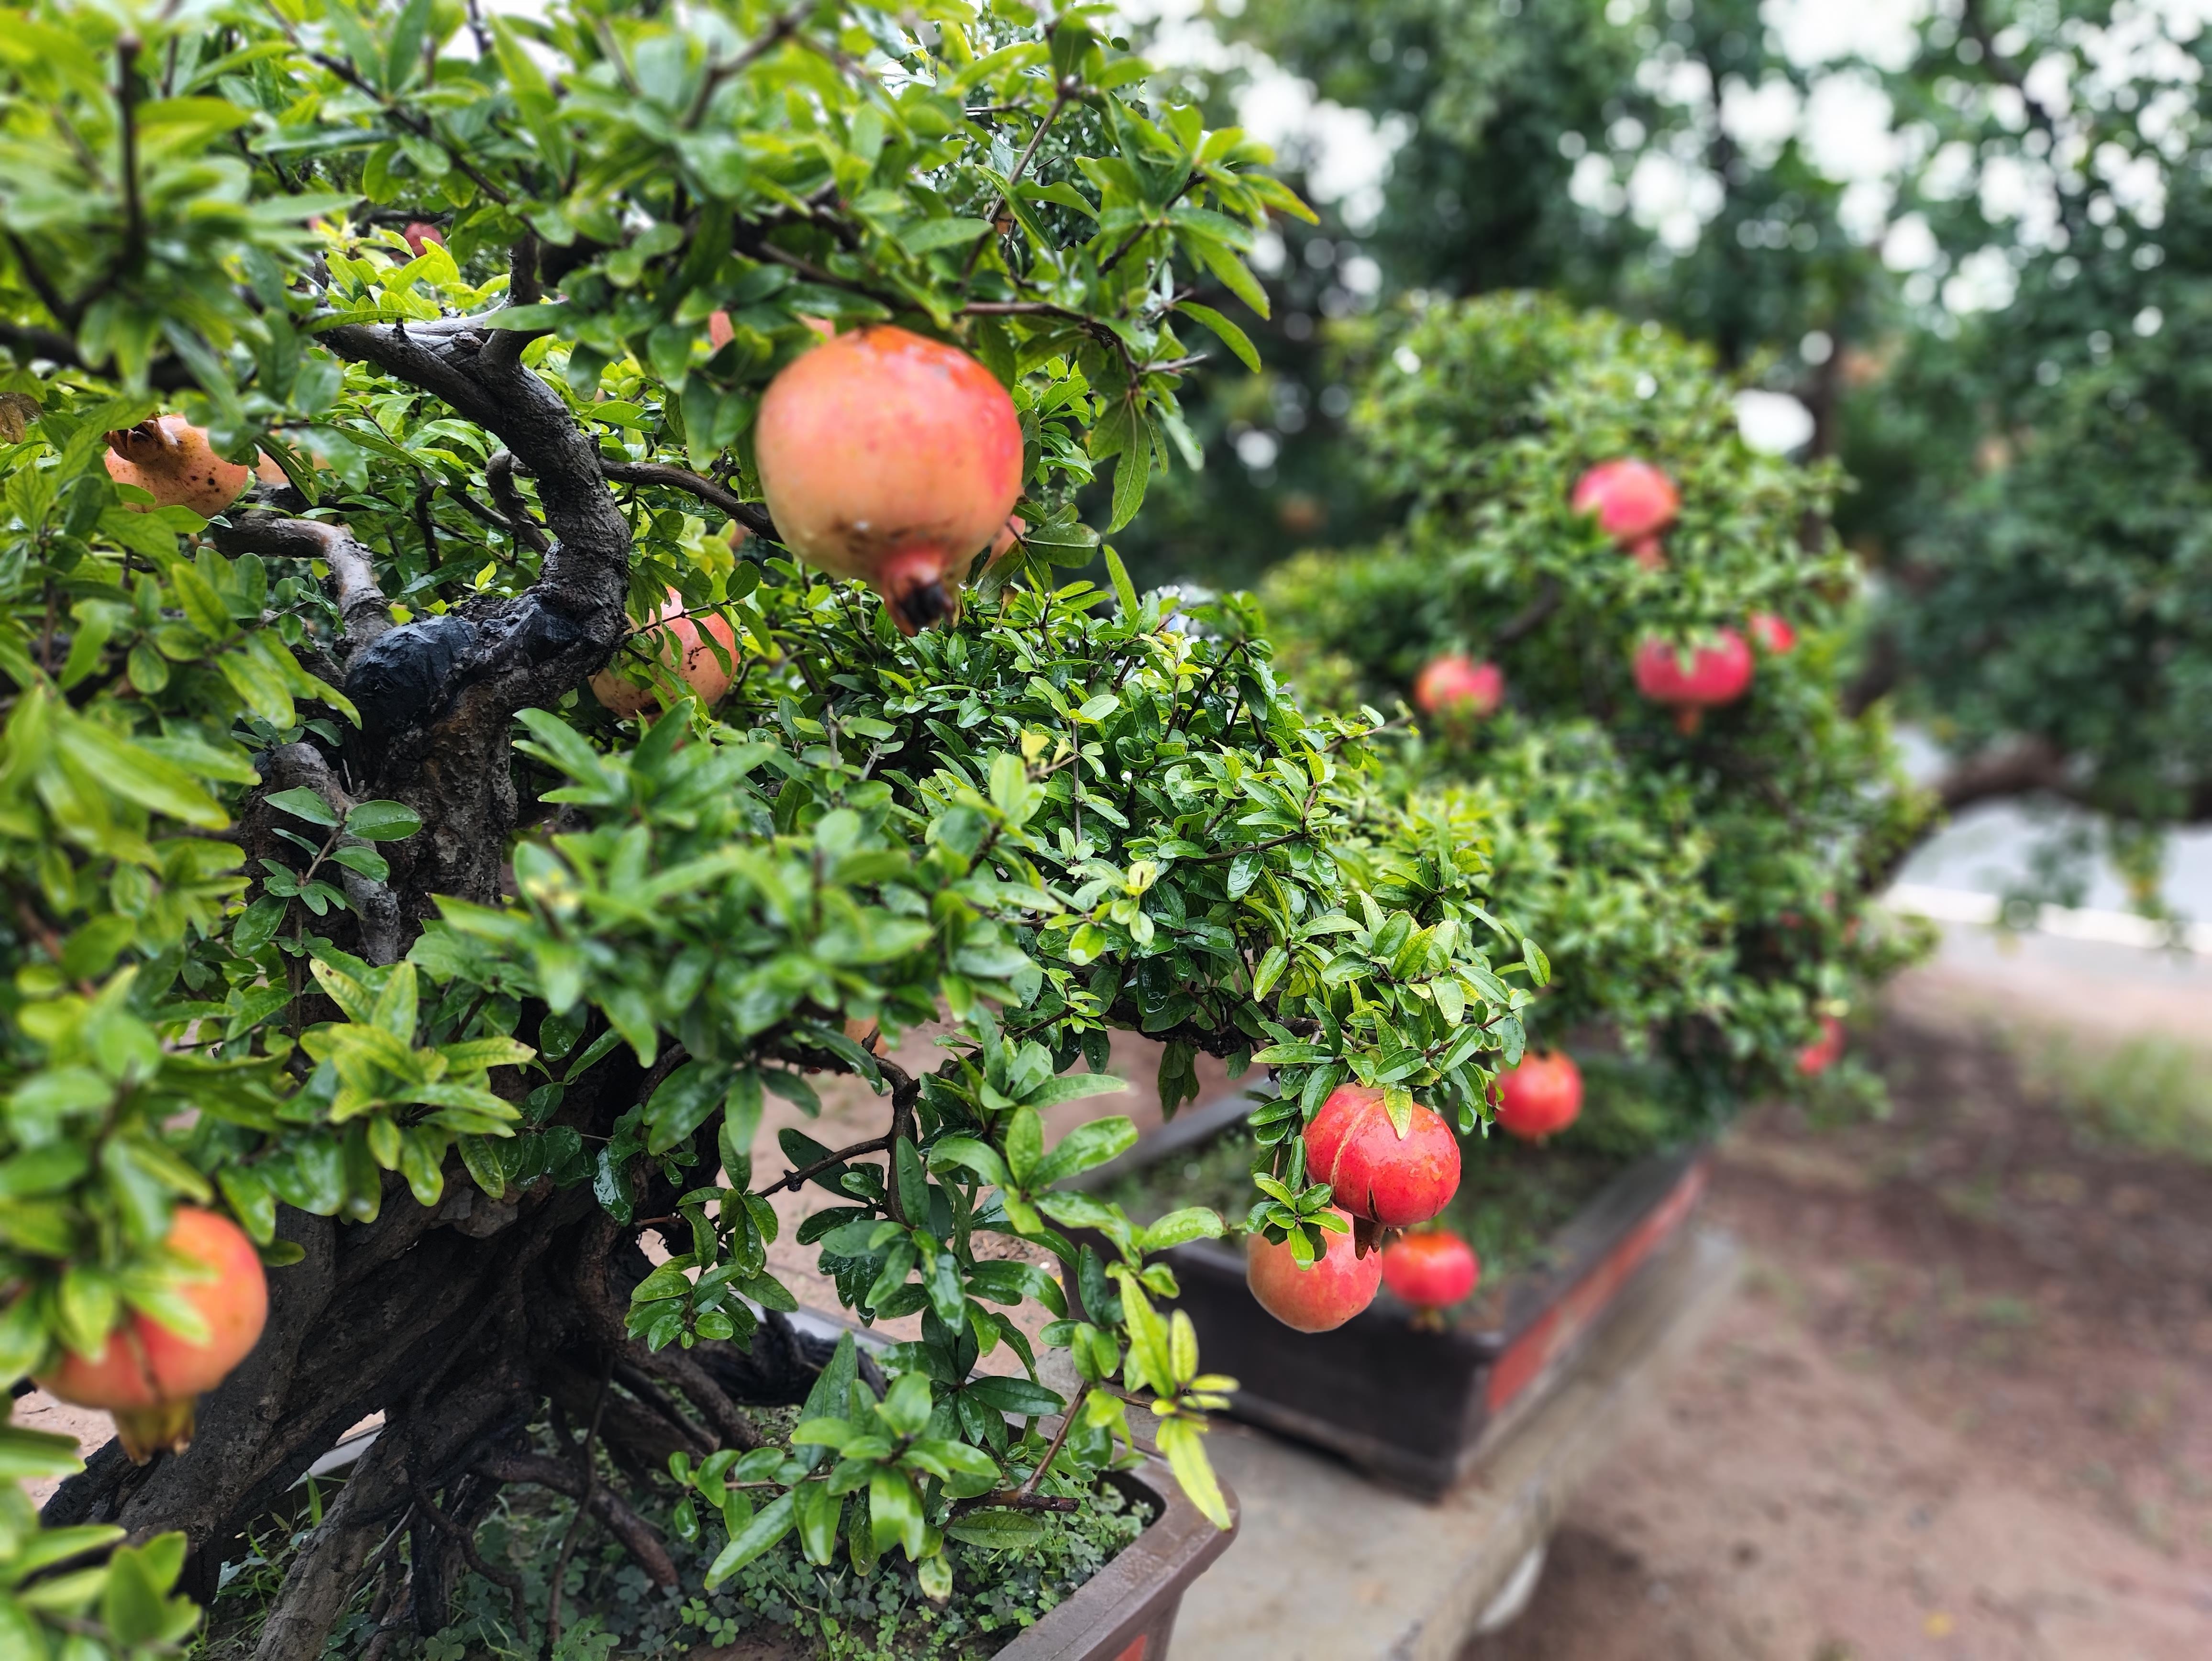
{"points": [[1391, 1180], [1453, 685], [1712, 675], [1318, 1298], [1824, 1051], [1634, 502], [147, 1377], [1540, 1097], [893, 459], [171, 458], [1775, 636], [670, 632], [1430, 1271]]}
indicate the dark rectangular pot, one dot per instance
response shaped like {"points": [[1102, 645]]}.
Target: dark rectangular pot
{"points": [[1127, 1611], [1411, 1406]]}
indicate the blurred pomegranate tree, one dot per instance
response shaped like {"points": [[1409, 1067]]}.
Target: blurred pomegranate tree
{"points": [[1676, 800], [344, 916]]}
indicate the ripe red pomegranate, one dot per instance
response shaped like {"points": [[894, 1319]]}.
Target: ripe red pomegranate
{"points": [[173, 459], [1824, 1051], [1634, 502], [1540, 1097], [1713, 674], [1774, 635], [1338, 1285], [890, 458], [1430, 1271], [147, 1377], [1390, 1180], [1458, 686], [420, 233], [671, 631]]}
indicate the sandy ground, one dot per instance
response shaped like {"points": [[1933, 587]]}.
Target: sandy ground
{"points": [[1964, 1408]]}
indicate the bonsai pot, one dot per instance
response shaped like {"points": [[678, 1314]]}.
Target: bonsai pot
{"points": [[1413, 1406]]}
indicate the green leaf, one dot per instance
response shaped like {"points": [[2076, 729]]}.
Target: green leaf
{"points": [[1131, 473], [998, 1528], [1124, 591], [381, 821], [895, 1516], [1182, 1440], [1230, 336], [304, 804], [769, 1524], [1085, 1146]]}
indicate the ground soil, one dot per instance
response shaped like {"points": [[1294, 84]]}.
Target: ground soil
{"points": [[1963, 1407]]}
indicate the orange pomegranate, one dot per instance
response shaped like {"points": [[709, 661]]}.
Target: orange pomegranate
{"points": [[171, 458], [671, 631], [147, 1378], [892, 459], [1317, 1298]]}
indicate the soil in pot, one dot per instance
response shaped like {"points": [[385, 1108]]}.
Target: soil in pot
{"points": [[778, 1608], [1513, 1198]]}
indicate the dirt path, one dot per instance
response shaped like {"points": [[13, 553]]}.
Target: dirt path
{"points": [[1963, 1410]]}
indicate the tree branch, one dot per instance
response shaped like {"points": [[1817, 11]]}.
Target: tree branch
{"points": [[499, 474], [751, 515], [465, 1539], [2029, 765], [362, 607], [795, 1180], [636, 1534]]}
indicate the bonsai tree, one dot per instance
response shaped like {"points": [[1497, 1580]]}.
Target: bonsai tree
{"points": [[1625, 632], [381, 376]]}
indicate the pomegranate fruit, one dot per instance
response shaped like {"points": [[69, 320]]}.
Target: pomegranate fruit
{"points": [[1824, 1051], [1391, 1180], [893, 459], [147, 1377], [1430, 1271], [1713, 674], [670, 632], [1319, 1298], [1774, 635], [1634, 503], [1540, 1097], [421, 233], [1453, 685], [171, 458]]}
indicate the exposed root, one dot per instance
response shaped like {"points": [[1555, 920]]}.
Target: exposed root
{"points": [[634, 1533]]}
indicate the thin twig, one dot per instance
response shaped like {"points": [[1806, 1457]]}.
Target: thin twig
{"points": [[1059, 1439], [1006, 196], [795, 1180], [466, 1539], [583, 1506], [134, 212]]}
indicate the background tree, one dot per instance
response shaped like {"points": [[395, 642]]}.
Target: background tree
{"points": [[1699, 874], [335, 899]]}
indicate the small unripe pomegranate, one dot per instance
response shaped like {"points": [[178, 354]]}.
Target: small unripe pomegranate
{"points": [[1650, 553], [1338, 1285], [421, 233], [1713, 674], [147, 1378], [171, 458], [1824, 1051], [1391, 1180], [892, 459], [1540, 1097], [670, 632], [1431, 1271], [1774, 635], [1634, 502], [1458, 686]]}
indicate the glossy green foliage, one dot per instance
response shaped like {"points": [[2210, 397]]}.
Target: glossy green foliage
{"points": [[1075, 810], [1699, 891]]}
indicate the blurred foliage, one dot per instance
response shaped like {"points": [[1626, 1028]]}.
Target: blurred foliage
{"points": [[1704, 895]]}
